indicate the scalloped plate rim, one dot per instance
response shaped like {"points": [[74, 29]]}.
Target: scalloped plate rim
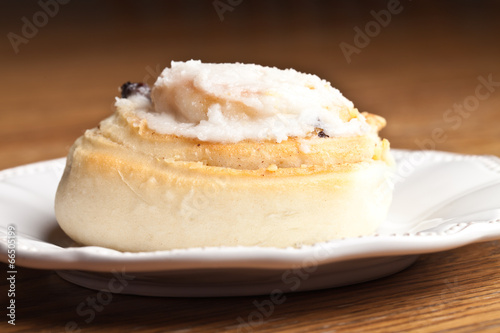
{"points": [[379, 245]]}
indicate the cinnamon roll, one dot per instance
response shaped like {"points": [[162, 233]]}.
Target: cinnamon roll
{"points": [[226, 155]]}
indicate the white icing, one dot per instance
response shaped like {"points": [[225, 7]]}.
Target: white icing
{"points": [[235, 102]]}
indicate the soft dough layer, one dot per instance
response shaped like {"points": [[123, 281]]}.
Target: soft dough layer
{"points": [[128, 188]]}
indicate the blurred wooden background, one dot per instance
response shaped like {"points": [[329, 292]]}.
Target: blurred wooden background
{"points": [[417, 71], [425, 60]]}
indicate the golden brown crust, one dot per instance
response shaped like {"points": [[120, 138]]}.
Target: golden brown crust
{"points": [[375, 121]]}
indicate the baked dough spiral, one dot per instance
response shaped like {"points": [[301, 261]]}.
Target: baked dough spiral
{"points": [[128, 187]]}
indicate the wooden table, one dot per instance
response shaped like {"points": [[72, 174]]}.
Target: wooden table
{"points": [[428, 57]]}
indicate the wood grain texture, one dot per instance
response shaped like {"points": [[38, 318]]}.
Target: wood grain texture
{"points": [[429, 59]]}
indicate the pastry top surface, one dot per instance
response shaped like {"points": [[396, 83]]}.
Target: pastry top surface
{"points": [[237, 102], [265, 119]]}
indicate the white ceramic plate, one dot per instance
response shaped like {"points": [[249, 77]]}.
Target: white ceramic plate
{"points": [[441, 201]]}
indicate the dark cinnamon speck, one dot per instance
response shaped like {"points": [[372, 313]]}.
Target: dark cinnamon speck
{"points": [[322, 134], [129, 89]]}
